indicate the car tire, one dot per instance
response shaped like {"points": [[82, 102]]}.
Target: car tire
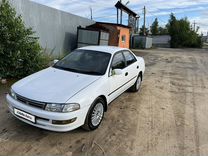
{"points": [[95, 115], [137, 85]]}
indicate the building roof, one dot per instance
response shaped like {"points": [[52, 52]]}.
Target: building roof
{"points": [[113, 24], [107, 49], [119, 5], [90, 28]]}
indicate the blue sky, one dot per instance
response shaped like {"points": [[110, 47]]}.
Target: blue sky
{"points": [[104, 10]]}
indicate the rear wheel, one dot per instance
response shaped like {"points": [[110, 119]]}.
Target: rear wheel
{"points": [[95, 115], [137, 85]]}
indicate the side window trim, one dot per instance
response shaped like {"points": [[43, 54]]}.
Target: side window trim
{"points": [[131, 55], [124, 59]]}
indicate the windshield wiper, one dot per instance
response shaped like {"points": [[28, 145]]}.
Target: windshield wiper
{"points": [[78, 71], [65, 68], [93, 72]]}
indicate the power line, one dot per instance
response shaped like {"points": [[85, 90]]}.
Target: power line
{"points": [[157, 17]]}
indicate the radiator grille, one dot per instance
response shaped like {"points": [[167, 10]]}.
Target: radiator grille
{"points": [[30, 102]]}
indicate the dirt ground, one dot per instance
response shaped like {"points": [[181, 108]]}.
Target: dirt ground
{"points": [[169, 116]]}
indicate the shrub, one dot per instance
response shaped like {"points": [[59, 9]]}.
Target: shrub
{"points": [[20, 52]]}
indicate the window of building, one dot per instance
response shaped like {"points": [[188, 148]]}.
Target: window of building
{"points": [[123, 38]]}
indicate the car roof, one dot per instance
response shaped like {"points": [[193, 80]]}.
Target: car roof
{"points": [[107, 49]]}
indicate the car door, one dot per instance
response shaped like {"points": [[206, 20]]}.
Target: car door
{"points": [[132, 68], [116, 82]]}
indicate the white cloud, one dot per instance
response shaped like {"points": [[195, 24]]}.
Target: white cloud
{"points": [[202, 22], [105, 10]]}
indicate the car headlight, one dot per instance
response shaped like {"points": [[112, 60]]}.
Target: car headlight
{"points": [[62, 107], [12, 94]]}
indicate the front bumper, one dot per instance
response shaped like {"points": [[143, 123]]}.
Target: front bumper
{"points": [[44, 118]]}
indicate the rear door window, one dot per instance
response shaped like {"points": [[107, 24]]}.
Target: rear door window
{"points": [[129, 57]]}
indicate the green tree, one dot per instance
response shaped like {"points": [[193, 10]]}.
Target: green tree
{"points": [[173, 29], [182, 34], [155, 27], [142, 33], [20, 52], [163, 31]]}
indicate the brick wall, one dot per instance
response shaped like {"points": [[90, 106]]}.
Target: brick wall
{"points": [[124, 32], [115, 34]]}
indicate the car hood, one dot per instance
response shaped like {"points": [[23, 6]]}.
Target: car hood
{"points": [[53, 85]]}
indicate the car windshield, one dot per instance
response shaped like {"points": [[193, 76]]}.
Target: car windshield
{"points": [[85, 61]]}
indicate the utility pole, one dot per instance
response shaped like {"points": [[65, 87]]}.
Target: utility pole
{"points": [[194, 25], [91, 12], [117, 16], [127, 3], [144, 21], [207, 37], [137, 23], [121, 14]]}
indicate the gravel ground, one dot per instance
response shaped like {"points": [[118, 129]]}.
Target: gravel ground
{"points": [[167, 117]]}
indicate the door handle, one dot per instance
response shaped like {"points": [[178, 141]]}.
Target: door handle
{"points": [[137, 67], [126, 73]]}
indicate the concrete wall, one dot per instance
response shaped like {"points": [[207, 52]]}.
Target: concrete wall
{"points": [[138, 42], [161, 41], [204, 38], [56, 29]]}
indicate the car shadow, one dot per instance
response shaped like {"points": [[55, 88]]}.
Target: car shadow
{"points": [[23, 132]]}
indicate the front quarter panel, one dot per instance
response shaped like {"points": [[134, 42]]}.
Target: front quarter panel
{"points": [[87, 96]]}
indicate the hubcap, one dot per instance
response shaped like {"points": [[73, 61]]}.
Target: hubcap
{"points": [[97, 114], [138, 83]]}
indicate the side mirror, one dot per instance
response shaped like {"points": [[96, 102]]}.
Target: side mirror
{"points": [[51, 63], [55, 61], [116, 72]]}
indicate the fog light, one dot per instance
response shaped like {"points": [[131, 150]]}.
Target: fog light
{"points": [[63, 122]]}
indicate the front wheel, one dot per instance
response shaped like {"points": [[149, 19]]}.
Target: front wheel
{"points": [[137, 85], [95, 115]]}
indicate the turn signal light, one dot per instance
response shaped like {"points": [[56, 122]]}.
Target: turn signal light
{"points": [[63, 122]]}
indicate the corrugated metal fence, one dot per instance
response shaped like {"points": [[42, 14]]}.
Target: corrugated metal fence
{"points": [[56, 29]]}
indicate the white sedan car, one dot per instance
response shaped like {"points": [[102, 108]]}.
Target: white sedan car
{"points": [[76, 90]]}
